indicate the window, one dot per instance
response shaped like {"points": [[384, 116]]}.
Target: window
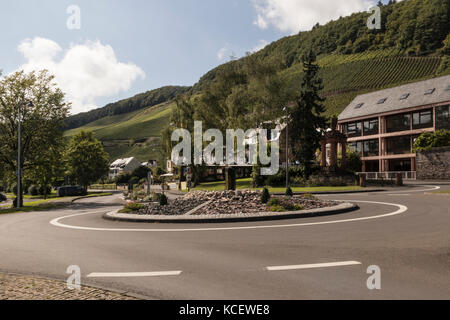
{"points": [[430, 91], [359, 105], [356, 146], [381, 101], [423, 119], [371, 148], [399, 122], [399, 145], [353, 129], [443, 118], [405, 96], [371, 127]]}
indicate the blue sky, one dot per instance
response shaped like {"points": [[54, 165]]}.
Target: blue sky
{"points": [[127, 47]]}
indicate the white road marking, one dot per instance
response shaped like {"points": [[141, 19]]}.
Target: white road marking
{"points": [[401, 209], [133, 274], [314, 266], [401, 194], [432, 188]]}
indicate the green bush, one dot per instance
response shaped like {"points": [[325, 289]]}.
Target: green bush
{"points": [[131, 207], [289, 192], [277, 208], [274, 202], [309, 196], [45, 190], [265, 196], [13, 188], [428, 140], [33, 190], [163, 200]]}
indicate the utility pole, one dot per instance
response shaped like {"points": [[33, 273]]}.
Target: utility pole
{"points": [[19, 163], [19, 203], [287, 146]]}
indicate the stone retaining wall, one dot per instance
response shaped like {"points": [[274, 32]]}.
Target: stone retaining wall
{"points": [[434, 164]]}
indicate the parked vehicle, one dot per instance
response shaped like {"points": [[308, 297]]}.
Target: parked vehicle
{"points": [[70, 191]]}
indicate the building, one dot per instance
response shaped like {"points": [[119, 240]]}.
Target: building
{"points": [[150, 164], [127, 165], [383, 125]]}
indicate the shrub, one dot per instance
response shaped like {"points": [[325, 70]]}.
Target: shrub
{"points": [[265, 196], [163, 200], [289, 192], [45, 190], [131, 207], [274, 202], [277, 208], [429, 140], [13, 188], [309, 196], [33, 190], [2, 197]]}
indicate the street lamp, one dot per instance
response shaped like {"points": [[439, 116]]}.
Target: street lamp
{"points": [[287, 146], [19, 158]]}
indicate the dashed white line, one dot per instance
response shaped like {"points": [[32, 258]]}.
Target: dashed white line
{"points": [[314, 266], [133, 274]]}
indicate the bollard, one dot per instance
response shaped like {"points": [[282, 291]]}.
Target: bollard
{"points": [[362, 180], [399, 180]]}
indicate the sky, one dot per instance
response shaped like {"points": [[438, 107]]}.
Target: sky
{"points": [[105, 50]]}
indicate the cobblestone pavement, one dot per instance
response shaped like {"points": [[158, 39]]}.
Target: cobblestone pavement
{"points": [[18, 287]]}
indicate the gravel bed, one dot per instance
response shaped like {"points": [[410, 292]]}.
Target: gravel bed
{"points": [[226, 203]]}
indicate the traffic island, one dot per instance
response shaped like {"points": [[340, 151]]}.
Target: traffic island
{"points": [[230, 206]]}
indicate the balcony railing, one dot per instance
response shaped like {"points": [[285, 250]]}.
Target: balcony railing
{"points": [[407, 175]]}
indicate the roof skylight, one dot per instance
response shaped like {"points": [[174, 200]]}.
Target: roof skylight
{"points": [[405, 96], [381, 101], [430, 91], [359, 105], [448, 88]]}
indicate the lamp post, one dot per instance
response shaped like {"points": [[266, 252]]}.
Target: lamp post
{"points": [[287, 146], [19, 157]]}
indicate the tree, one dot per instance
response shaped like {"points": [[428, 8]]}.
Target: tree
{"points": [[86, 160], [141, 172], [305, 122], [428, 140], [41, 119], [49, 167]]}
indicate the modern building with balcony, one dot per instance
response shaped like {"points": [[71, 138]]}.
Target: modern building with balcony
{"points": [[383, 125]]}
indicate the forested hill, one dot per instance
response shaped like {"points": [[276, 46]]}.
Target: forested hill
{"points": [[414, 44], [138, 102], [409, 28]]}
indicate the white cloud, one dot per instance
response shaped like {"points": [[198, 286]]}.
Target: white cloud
{"points": [[261, 45], [221, 53], [84, 71], [298, 15]]}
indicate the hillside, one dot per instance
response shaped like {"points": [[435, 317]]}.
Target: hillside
{"points": [[413, 45]]}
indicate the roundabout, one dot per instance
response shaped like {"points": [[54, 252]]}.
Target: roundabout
{"points": [[324, 257], [400, 209]]}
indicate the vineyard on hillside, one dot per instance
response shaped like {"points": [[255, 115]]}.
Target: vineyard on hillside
{"points": [[372, 73]]}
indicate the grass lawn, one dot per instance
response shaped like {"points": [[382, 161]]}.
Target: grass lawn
{"points": [[442, 192], [247, 184], [45, 204]]}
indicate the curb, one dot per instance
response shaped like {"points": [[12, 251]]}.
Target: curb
{"points": [[263, 216], [87, 197], [332, 192]]}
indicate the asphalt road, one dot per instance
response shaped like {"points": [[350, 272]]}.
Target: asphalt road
{"points": [[411, 247]]}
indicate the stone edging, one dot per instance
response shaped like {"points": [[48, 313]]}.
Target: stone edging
{"points": [[263, 216]]}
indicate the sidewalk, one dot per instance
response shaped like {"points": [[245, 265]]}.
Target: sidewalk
{"points": [[17, 287]]}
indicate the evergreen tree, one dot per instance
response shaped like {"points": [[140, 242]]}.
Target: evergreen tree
{"points": [[305, 122]]}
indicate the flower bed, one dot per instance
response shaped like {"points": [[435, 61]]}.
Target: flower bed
{"points": [[231, 202]]}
